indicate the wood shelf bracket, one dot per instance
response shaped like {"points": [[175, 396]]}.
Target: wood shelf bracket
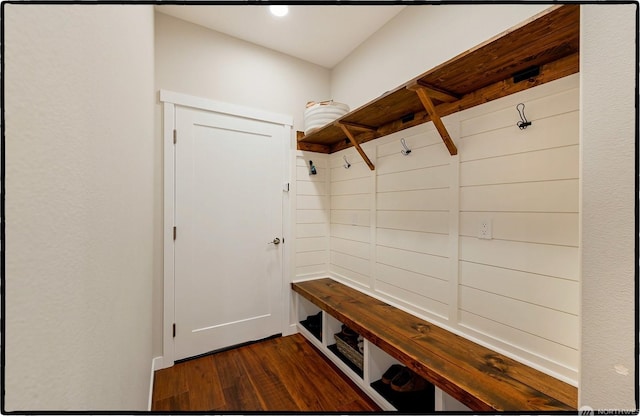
{"points": [[357, 126], [356, 145], [423, 95], [436, 93]]}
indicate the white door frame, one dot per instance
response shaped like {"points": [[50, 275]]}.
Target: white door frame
{"points": [[169, 102]]}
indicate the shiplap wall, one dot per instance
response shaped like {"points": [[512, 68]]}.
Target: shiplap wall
{"points": [[408, 231], [351, 215], [311, 215], [412, 230], [523, 286]]}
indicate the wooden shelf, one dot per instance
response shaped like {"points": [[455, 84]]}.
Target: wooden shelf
{"points": [[548, 42]]}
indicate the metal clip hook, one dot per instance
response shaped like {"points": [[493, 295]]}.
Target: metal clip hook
{"points": [[524, 123], [406, 150], [346, 165]]}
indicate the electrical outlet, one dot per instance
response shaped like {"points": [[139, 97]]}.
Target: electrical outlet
{"points": [[484, 232]]}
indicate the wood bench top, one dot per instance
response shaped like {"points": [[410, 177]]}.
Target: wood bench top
{"points": [[482, 379]]}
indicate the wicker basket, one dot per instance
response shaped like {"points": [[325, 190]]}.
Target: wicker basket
{"points": [[348, 351]]}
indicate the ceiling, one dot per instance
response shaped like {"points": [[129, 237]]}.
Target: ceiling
{"points": [[323, 35]]}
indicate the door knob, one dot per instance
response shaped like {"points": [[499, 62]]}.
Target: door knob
{"points": [[275, 241]]}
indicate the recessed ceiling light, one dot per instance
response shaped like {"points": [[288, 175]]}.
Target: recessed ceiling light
{"points": [[278, 10]]}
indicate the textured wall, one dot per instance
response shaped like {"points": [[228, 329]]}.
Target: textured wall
{"points": [[79, 135], [608, 70]]}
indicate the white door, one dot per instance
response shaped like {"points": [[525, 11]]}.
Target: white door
{"points": [[229, 172]]}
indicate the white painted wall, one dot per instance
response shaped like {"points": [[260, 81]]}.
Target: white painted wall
{"points": [[415, 40], [79, 183], [194, 60], [608, 71]]}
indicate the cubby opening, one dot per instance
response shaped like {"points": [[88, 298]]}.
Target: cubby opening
{"points": [[420, 400], [310, 318], [446, 403], [343, 343]]}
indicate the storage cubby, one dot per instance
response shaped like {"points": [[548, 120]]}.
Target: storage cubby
{"points": [[419, 401], [347, 354], [446, 403], [393, 332], [332, 326], [378, 362], [310, 318], [375, 362]]}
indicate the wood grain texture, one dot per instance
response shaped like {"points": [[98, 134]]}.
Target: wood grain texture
{"points": [[437, 94], [476, 376], [356, 145], [282, 374], [427, 103], [549, 72], [484, 73], [547, 37], [313, 147]]}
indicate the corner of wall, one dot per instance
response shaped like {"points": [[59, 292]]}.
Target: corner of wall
{"points": [[608, 132]]}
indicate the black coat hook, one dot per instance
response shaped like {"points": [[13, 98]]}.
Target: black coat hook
{"points": [[405, 151], [312, 169], [523, 123]]}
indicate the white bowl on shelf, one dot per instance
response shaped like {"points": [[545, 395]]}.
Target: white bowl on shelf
{"points": [[319, 114]]}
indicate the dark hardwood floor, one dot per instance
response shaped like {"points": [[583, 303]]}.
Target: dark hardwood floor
{"points": [[281, 374]]}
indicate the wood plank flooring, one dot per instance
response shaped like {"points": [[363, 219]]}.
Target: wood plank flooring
{"points": [[281, 374]]}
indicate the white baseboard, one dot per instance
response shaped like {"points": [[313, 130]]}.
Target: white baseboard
{"points": [[290, 330], [156, 364]]}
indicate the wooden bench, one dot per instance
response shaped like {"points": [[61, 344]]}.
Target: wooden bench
{"points": [[480, 378]]}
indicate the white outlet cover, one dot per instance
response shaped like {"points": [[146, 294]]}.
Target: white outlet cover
{"points": [[485, 230]]}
